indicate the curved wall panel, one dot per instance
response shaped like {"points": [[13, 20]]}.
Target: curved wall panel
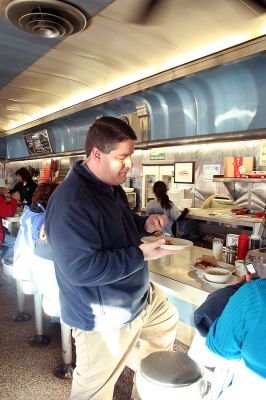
{"points": [[223, 99]]}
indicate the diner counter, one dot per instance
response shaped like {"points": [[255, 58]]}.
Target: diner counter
{"points": [[176, 277], [224, 216], [176, 274]]}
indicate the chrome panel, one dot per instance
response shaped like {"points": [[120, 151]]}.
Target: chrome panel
{"points": [[114, 53]]}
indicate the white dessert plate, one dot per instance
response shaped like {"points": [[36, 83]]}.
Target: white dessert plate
{"points": [[176, 243], [231, 281]]}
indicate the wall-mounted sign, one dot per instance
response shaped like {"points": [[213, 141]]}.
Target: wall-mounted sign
{"points": [[262, 160], [210, 170], [38, 143], [157, 156]]}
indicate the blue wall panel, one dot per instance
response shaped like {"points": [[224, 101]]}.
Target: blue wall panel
{"points": [[223, 99]]}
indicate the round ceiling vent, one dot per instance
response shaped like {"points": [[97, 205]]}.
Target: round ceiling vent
{"points": [[46, 18]]}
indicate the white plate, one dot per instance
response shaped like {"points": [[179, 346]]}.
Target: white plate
{"points": [[220, 264], [231, 281], [178, 244]]}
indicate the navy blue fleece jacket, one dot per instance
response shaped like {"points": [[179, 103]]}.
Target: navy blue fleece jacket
{"points": [[94, 238]]}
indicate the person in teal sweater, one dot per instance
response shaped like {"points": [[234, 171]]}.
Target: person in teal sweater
{"points": [[240, 332]]}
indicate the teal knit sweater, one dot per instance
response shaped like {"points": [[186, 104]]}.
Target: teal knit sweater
{"points": [[240, 331]]}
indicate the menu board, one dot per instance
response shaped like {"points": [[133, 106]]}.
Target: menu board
{"points": [[38, 143]]}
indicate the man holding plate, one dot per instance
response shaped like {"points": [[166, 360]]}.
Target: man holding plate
{"points": [[101, 266]]}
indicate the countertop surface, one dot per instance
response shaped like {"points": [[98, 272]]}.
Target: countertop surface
{"points": [[176, 273], [218, 214]]}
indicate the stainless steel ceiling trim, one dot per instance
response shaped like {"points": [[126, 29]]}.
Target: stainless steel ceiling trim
{"points": [[231, 54], [255, 134], [45, 156]]}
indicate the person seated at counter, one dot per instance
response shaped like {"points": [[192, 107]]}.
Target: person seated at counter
{"points": [[163, 205], [240, 334], [235, 341], [31, 251], [25, 186], [8, 208]]}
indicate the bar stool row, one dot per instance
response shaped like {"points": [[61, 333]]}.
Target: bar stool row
{"points": [[45, 300]]}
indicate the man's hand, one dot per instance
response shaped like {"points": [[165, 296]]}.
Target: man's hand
{"points": [[155, 222], [152, 250]]}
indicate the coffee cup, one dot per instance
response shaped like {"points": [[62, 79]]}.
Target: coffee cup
{"points": [[240, 268]]}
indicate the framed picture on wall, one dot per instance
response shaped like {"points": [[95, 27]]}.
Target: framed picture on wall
{"points": [[210, 170], [184, 172]]}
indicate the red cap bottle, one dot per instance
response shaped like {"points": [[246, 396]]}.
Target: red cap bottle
{"points": [[243, 243]]}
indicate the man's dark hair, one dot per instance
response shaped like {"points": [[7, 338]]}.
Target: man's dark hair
{"points": [[24, 174], [106, 132]]}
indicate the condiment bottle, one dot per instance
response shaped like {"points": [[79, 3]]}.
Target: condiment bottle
{"points": [[243, 243], [217, 248], [231, 252], [255, 242]]}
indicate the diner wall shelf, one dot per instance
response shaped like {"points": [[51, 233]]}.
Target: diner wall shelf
{"points": [[247, 180], [251, 199]]}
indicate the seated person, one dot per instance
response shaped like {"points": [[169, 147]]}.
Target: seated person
{"points": [[163, 205], [32, 257], [235, 342], [8, 208], [240, 332]]}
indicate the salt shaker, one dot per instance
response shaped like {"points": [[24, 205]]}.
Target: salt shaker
{"points": [[231, 252], [255, 241], [217, 248]]}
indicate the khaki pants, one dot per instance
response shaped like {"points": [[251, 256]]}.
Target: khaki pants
{"points": [[101, 356]]}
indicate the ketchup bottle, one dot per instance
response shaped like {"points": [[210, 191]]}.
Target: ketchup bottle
{"points": [[243, 243]]}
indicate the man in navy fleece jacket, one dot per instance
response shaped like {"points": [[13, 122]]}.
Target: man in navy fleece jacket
{"points": [[101, 266]]}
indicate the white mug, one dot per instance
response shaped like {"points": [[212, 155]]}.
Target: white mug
{"points": [[240, 268]]}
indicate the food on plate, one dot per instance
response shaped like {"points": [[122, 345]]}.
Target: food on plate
{"points": [[205, 262], [212, 272], [159, 236], [167, 240]]}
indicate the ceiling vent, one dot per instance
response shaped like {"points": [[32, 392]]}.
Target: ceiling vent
{"points": [[46, 18]]}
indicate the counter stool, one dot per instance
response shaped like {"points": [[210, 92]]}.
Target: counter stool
{"points": [[44, 277], [30, 288], [8, 267], [21, 315], [170, 375]]}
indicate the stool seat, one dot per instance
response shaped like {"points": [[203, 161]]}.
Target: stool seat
{"points": [[8, 266], [170, 375], [169, 368]]}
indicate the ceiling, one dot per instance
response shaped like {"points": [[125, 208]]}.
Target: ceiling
{"points": [[40, 76]]}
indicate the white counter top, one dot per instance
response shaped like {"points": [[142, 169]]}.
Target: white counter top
{"points": [[176, 274], [222, 215]]}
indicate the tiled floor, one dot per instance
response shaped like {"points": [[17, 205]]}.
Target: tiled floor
{"points": [[26, 372]]}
